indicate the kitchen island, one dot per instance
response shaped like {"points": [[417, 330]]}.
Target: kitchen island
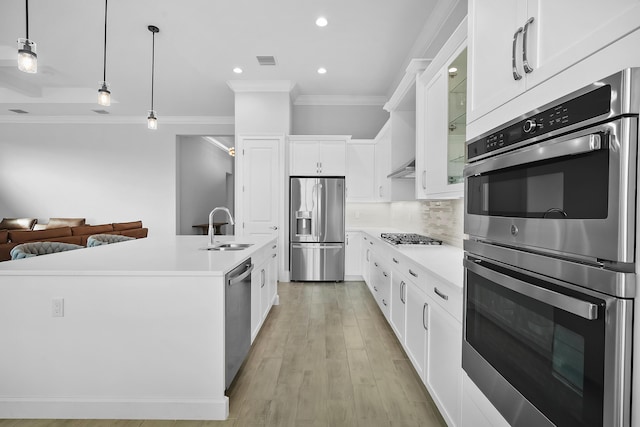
{"points": [[133, 330]]}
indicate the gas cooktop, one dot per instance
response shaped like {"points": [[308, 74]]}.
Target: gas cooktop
{"points": [[409, 239]]}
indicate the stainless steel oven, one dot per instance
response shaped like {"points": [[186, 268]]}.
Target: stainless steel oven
{"points": [[562, 179], [550, 260]]}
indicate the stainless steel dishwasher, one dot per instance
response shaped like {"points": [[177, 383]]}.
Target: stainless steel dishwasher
{"points": [[237, 324]]}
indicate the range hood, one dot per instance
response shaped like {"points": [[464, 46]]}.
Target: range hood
{"points": [[406, 171]]}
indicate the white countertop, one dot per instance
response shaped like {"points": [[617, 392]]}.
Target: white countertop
{"points": [[445, 261], [161, 256]]}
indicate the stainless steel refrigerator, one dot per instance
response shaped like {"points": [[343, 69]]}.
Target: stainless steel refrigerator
{"points": [[316, 229]]}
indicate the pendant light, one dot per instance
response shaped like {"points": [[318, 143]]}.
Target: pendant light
{"points": [[27, 58], [152, 120], [104, 95]]}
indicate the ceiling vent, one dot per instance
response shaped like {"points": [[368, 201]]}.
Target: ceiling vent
{"points": [[266, 60], [100, 111], [18, 111]]}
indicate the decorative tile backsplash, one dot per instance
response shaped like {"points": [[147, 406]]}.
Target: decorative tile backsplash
{"points": [[441, 219]]}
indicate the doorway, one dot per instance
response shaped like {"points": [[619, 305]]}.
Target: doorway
{"points": [[204, 180]]}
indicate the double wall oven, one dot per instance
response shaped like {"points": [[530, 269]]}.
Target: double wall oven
{"points": [[550, 211]]}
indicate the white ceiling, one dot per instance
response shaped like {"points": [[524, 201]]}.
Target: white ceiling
{"points": [[365, 48]]}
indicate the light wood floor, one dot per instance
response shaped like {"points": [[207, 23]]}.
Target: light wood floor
{"points": [[324, 357]]}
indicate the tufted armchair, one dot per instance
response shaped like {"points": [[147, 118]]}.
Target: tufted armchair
{"points": [[105, 239], [28, 250]]}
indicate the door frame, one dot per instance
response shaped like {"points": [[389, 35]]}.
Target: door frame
{"points": [[283, 229]]}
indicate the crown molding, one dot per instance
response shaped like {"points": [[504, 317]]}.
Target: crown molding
{"points": [[407, 83], [118, 120], [340, 100], [261, 85]]}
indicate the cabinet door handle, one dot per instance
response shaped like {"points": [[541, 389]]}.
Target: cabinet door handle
{"points": [[375, 263], [275, 227], [525, 62], [262, 278], [384, 302], [370, 242], [516, 74], [347, 240], [395, 260], [424, 316], [274, 255], [385, 274], [380, 191], [440, 294], [375, 289], [412, 273], [367, 255], [424, 180], [402, 286]]}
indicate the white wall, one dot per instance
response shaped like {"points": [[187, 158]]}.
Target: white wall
{"points": [[202, 173], [262, 113], [102, 172], [359, 121]]}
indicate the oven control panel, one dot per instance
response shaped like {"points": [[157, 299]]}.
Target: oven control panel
{"points": [[584, 107]]}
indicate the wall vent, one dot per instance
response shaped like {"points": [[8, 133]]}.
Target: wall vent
{"points": [[18, 111], [266, 60], [100, 111]]}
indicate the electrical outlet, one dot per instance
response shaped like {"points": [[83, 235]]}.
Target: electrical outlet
{"points": [[57, 307]]}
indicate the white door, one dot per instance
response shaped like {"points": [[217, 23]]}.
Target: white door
{"points": [[492, 25], [353, 254], [436, 133], [333, 158], [260, 190], [360, 172], [398, 303], [417, 328]]}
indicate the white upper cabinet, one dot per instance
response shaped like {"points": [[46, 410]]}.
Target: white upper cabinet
{"points": [[515, 45], [360, 174], [441, 121], [324, 155]]}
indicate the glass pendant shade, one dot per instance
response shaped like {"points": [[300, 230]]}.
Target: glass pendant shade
{"points": [[27, 58], [152, 120], [104, 95]]}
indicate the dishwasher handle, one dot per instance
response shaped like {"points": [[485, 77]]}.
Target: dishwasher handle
{"points": [[240, 277]]}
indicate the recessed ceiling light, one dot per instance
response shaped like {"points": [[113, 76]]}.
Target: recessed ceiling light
{"points": [[322, 21], [322, 70], [237, 70]]}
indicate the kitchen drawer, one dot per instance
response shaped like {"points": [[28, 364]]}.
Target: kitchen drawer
{"points": [[445, 294]]}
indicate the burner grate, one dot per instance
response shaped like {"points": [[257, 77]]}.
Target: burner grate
{"points": [[409, 239]]}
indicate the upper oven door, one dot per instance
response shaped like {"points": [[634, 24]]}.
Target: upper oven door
{"points": [[573, 195]]}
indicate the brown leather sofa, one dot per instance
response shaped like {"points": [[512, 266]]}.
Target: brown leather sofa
{"points": [[77, 235]]}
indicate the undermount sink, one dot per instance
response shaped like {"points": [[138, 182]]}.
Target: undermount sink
{"points": [[229, 247]]}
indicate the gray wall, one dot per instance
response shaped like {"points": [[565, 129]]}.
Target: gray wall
{"points": [[202, 182], [360, 121]]}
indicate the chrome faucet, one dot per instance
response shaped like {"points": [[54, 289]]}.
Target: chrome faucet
{"points": [[211, 233]]}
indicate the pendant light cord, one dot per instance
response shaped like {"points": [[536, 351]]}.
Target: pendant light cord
{"points": [[104, 66], [153, 63], [27, 14]]}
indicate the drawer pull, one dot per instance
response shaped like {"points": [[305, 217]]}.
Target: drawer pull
{"points": [[274, 255], [440, 294], [395, 260], [274, 246], [371, 243], [412, 273], [375, 289], [375, 263], [384, 302], [424, 316], [385, 274]]}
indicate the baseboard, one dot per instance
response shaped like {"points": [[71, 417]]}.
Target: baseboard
{"points": [[354, 278], [133, 409]]}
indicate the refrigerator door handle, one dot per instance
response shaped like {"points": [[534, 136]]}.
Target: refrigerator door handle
{"points": [[316, 245]]}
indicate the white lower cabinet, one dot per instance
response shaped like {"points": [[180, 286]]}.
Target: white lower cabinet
{"points": [[264, 287], [381, 283], [417, 327], [353, 254], [398, 303], [444, 363]]}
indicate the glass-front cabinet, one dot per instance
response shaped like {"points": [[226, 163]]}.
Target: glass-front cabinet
{"points": [[457, 122], [442, 107]]}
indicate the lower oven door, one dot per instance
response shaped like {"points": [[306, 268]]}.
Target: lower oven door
{"points": [[545, 352]]}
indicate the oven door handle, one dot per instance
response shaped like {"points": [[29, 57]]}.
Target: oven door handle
{"points": [[542, 151], [572, 305]]}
